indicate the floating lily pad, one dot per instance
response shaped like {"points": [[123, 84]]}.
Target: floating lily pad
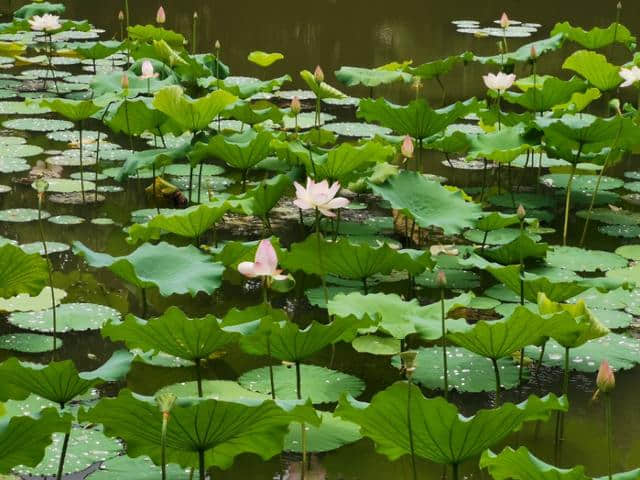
{"points": [[66, 220], [224, 390], [13, 165], [501, 236], [65, 185], [631, 252], [581, 182], [21, 215], [28, 342], [26, 303], [632, 198], [110, 189], [624, 231], [468, 372], [501, 292], [140, 468], [613, 319], [88, 175], [71, 158], [332, 433], [102, 221], [319, 384], [43, 73], [612, 217], [69, 316], [160, 359], [633, 186], [183, 169], [527, 200], [456, 279], [73, 136], [376, 345], [633, 175], [582, 260], [357, 129], [37, 124], [75, 198], [38, 247]]}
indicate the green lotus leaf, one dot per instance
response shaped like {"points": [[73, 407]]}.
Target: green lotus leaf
{"points": [[241, 150], [631, 252], [345, 161], [259, 200], [595, 68], [26, 303], [551, 91], [597, 37], [612, 217], [28, 342], [318, 384], [502, 146], [191, 114], [582, 260], [331, 434], [141, 468], [145, 159], [233, 253], [191, 222], [37, 124], [134, 117], [172, 269], [496, 221], [70, 317], [581, 183], [287, 341], [39, 8], [522, 248], [23, 440], [109, 85], [523, 54], [630, 274], [429, 203], [264, 59], [253, 113], [149, 33], [370, 77], [348, 260], [173, 333], [97, 50], [437, 68], [245, 89], [376, 345], [322, 90], [440, 433], [224, 390], [74, 110], [58, 382], [21, 272], [258, 428], [578, 102], [417, 119]]}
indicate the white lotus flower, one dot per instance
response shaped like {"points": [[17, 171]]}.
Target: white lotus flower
{"points": [[500, 82], [147, 70], [319, 196], [631, 76], [45, 23], [265, 263]]}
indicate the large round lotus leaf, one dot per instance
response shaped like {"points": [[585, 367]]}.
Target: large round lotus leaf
{"points": [[583, 199], [581, 182], [624, 231], [456, 279], [483, 303], [103, 221], [501, 236], [28, 342], [316, 295], [86, 447], [114, 155], [88, 175], [183, 169], [613, 319], [630, 274], [224, 390], [71, 159], [582, 260], [507, 309], [143, 174], [37, 124], [376, 345], [73, 136], [160, 359], [31, 405], [38, 247], [21, 108], [632, 252], [12, 165], [612, 217], [527, 200], [69, 317], [140, 468], [66, 220], [332, 433], [319, 384], [65, 185], [633, 186], [357, 129], [621, 351], [468, 372], [617, 299], [43, 73], [18, 150], [633, 175], [555, 274], [21, 215], [146, 214], [26, 303], [75, 198]]}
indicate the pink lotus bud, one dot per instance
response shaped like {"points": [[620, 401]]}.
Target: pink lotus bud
{"points": [[605, 381], [441, 279], [124, 81], [504, 21], [295, 105], [522, 213], [534, 52], [161, 17], [121, 15], [407, 147], [195, 15], [318, 74], [217, 45], [619, 6]]}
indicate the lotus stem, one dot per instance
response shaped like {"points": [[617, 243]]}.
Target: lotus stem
{"points": [[496, 369], [521, 299], [484, 240], [420, 156], [81, 165], [199, 376], [609, 425], [194, 34], [365, 286], [409, 429], [444, 90], [126, 116], [51, 68], [303, 431], [143, 292], [199, 181], [201, 468], [106, 110], [499, 115], [122, 30], [271, 379], [322, 279], [190, 181], [444, 346], [126, 13], [163, 445], [560, 416], [155, 195], [318, 112], [63, 454], [539, 173], [454, 468], [484, 180], [49, 271], [567, 205]]}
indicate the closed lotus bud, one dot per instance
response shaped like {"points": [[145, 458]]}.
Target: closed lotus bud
{"points": [[619, 6], [217, 45], [41, 185], [121, 15], [615, 105], [504, 21], [161, 17], [195, 15], [409, 361], [605, 381], [407, 147], [124, 81], [521, 212], [166, 401], [295, 105], [318, 74], [441, 279], [534, 52]]}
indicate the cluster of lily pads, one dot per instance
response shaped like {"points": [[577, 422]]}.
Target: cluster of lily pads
{"points": [[454, 288]]}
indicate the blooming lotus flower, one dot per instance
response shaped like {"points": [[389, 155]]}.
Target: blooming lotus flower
{"points": [[318, 74], [147, 70], [161, 17], [45, 23], [631, 76], [319, 196], [407, 147], [296, 106], [504, 21], [500, 82], [264, 265], [605, 381]]}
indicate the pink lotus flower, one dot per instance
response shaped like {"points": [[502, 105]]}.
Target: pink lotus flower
{"points": [[296, 106], [319, 196], [605, 381], [500, 82], [45, 23], [631, 76], [504, 21], [161, 17], [147, 70], [318, 74], [407, 147], [265, 264]]}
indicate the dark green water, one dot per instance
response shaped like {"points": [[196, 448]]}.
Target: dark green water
{"points": [[330, 33]]}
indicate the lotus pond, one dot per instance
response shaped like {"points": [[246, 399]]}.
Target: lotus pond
{"points": [[219, 261]]}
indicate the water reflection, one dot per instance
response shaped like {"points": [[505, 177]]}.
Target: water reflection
{"points": [[315, 471]]}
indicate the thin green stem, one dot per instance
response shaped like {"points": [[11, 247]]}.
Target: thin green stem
{"points": [[81, 165], [609, 422], [567, 205], [444, 346], [303, 431], [50, 272], [199, 376], [63, 454], [322, 273], [201, 468], [163, 445], [496, 370], [410, 430]]}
